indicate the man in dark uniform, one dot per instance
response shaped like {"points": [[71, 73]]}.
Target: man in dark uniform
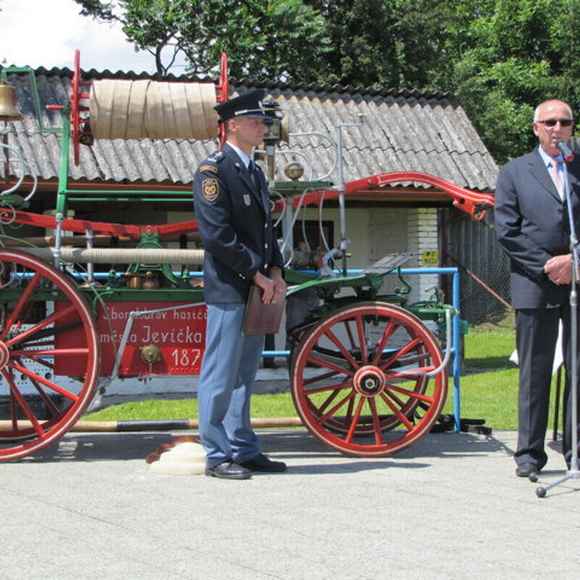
{"points": [[232, 206], [532, 225]]}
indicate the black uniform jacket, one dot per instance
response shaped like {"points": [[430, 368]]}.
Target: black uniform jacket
{"points": [[235, 225], [532, 226]]}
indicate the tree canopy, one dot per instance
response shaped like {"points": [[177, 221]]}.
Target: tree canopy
{"points": [[500, 58]]}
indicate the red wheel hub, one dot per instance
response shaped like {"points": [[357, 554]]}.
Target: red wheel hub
{"points": [[369, 381]]}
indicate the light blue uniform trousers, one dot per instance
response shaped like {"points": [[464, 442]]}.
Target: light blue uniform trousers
{"points": [[227, 376]]}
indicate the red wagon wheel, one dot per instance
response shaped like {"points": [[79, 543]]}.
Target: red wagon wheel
{"points": [[37, 404], [359, 379]]}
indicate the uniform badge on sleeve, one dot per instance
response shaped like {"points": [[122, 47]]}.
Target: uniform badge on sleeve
{"points": [[210, 189], [207, 167]]}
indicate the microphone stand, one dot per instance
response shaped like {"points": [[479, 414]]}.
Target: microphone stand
{"points": [[573, 472]]}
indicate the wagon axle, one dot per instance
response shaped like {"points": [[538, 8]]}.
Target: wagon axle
{"points": [[369, 381]]}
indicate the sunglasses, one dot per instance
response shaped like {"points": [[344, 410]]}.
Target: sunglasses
{"points": [[552, 122]]}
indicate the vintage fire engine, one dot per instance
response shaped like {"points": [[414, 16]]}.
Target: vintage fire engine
{"points": [[367, 376]]}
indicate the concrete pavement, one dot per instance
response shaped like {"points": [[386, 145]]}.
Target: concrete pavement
{"points": [[448, 507]]}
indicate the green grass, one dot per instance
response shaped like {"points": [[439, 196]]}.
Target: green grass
{"points": [[488, 388]]}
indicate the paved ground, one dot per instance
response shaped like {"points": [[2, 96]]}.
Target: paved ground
{"points": [[449, 507]]}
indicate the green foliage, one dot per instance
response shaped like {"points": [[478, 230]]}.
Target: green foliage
{"points": [[520, 57], [499, 57], [277, 39], [361, 34]]}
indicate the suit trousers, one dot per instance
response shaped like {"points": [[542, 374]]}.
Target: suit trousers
{"points": [[229, 368], [536, 336]]}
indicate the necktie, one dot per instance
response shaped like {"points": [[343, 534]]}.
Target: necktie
{"points": [[253, 174], [556, 173]]}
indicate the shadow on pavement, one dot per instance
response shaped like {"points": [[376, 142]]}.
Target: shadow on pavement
{"points": [[288, 443], [100, 447], [282, 444]]}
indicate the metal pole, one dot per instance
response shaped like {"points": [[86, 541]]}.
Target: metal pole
{"points": [[341, 205], [344, 242], [456, 301]]}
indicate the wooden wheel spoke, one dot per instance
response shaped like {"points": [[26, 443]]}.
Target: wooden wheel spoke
{"points": [[52, 408], [53, 386], [21, 401], [330, 335], [401, 352], [327, 402], [349, 334], [387, 333], [319, 378], [336, 407], [20, 304], [421, 410], [360, 330], [397, 400], [376, 422], [35, 354], [52, 332], [413, 359], [13, 411], [39, 361], [397, 412], [349, 410], [40, 343], [355, 420], [41, 325], [413, 394], [327, 364], [343, 385]]}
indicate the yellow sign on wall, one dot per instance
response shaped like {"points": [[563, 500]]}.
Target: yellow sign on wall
{"points": [[430, 258]]}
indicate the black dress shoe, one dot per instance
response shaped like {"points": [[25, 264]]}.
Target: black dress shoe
{"points": [[527, 470], [228, 470], [261, 463]]}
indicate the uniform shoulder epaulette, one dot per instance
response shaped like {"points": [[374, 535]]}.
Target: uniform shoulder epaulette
{"points": [[216, 157], [210, 164]]}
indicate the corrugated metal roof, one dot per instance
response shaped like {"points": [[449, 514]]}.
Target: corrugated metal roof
{"points": [[403, 130]]}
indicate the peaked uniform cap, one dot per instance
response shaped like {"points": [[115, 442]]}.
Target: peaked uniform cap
{"points": [[247, 105]]}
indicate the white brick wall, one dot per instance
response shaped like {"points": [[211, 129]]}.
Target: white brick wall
{"points": [[423, 240]]}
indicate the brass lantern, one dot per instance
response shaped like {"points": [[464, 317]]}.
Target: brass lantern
{"points": [[8, 103]]}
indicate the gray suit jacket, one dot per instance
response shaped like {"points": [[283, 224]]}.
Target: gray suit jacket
{"points": [[532, 226]]}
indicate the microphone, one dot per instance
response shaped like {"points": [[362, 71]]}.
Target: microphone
{"points": [[566, 151]]}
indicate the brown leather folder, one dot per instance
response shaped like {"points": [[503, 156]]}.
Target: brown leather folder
{"points": [[260, 318]]}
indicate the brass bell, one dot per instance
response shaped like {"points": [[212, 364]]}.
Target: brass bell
{"points": [[8, 103]]}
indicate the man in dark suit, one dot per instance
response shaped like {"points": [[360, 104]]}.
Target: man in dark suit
{"points": [[232, 206], [532, 226]]}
